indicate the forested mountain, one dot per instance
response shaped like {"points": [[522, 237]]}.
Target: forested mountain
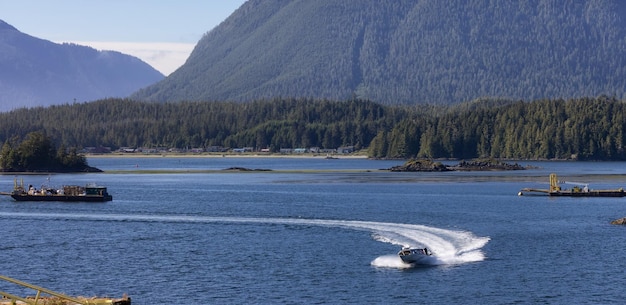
{"points": [[37, 72], [584, 129], [407, 51]]}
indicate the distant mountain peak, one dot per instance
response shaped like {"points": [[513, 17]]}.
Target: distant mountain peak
{"points": [[6, 26], [38, 72]]}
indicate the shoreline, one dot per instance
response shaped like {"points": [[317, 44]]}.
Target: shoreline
{"points": [[223, 155]]}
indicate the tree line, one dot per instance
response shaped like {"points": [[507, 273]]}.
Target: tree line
{"points": [[277, 123], [584, 128], [37, 152]]}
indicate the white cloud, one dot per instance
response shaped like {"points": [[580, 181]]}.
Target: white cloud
{"points": [[163, 56]]}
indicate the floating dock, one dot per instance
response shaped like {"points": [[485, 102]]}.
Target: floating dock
{"points": [[577, 191], [46, 296]]}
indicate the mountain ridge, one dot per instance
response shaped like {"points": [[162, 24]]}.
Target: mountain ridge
{"points": [[407, 52], [37, 72]]}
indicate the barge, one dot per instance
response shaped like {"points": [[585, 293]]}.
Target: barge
{"points": [[555, 190], [72, 193]]}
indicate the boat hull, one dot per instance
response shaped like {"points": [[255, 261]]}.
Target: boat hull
{"points": [[414, 256], [414, 259], [79, 198], [571, 193], [606, 193]]}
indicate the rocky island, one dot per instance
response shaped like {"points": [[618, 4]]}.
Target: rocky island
{"points": [[621, 221], [420, 165], [425, 165], [37, 153]]}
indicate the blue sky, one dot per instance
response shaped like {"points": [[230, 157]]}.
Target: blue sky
{"points": [[160, 32]]}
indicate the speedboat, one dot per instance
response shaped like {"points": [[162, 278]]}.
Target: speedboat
{"points": [[414, 255]]}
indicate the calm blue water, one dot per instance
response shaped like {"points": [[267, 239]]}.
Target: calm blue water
{"points": [[319, 238]]}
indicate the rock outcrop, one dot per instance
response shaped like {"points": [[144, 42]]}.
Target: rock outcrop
{"points": [[621, 221], [421, 165], [245, 169], [486, 165], [424, 165]]}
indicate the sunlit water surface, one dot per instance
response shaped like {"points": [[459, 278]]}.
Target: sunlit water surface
{"points": [[330, 236]]}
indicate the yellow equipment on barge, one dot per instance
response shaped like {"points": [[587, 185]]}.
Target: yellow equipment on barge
{"points": [[52, 297], [576, 191]]}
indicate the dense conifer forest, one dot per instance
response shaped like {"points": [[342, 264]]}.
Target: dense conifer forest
{"points": [[406, 52], [37, 152], [583, 129]]}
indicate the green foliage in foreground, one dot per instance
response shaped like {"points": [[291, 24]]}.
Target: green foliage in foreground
{"points": [[584, 129], [37, 152]]}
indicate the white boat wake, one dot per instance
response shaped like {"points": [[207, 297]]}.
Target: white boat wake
{"points": [[449, 247]]}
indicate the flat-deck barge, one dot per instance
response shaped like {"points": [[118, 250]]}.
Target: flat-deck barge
{"points": [[72, 193], [577, 191]]}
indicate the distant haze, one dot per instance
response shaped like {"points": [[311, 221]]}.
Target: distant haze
{"points": [[37, 72], [166, 30], [165, 57]]}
